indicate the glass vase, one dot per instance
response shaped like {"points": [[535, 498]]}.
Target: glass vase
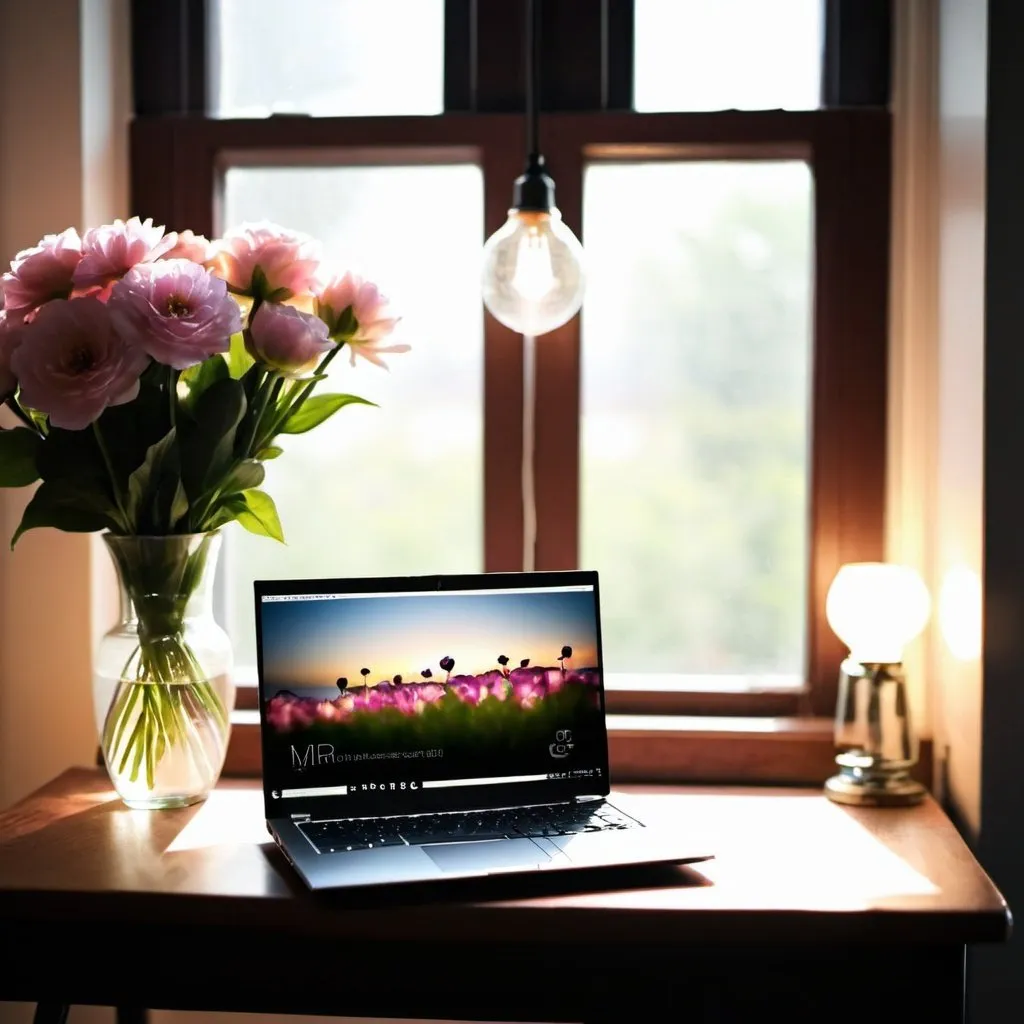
{"points": [[162, 681]]}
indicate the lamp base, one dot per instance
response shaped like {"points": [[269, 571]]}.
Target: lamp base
{"points": [[862, 786]]}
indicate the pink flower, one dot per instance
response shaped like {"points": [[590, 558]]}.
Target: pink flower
{"points": [[72, 364], [42, 273], [11, 331], [267, 261], [111, 250], [287, 339], [356, 312], [190, 246], [175, 311]]}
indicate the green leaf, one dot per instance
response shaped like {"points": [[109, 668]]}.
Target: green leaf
{"points": [[242, 477], [179, 503], [68, 506], [227, 512], [154, 502], [345, 325], [208, 441], [130, 429], [270, 452], [201, 376], [317, 408], [238, 360], [71, 455], [18, 450], [259, 515]]}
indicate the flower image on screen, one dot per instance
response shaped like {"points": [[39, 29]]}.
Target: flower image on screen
{"points": [[430, 686]]}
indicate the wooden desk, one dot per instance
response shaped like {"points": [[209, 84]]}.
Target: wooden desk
{"points": [[822, 912]]}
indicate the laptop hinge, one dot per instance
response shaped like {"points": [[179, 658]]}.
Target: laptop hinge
{"points": [[299, 817], [586, 799]]}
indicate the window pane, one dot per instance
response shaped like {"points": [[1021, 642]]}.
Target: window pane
{"points": [[395, 490], [727, 54], [327, 57], [696, 390]]}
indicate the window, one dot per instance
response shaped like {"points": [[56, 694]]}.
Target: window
{"points": [[710, 431], [373, 492], [730, 54], [696, 364], [334, 58]]}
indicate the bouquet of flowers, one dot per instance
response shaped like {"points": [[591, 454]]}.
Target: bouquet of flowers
{"points": [[151, 375]]}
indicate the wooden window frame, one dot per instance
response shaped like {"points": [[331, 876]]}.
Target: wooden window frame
{"points": [[179, 155]]}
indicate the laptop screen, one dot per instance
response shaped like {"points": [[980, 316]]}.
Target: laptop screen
{"points": [[393, 696]]}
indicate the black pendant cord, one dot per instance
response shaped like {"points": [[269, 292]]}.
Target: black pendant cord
{"points": [[534, 190], [531, 49]]}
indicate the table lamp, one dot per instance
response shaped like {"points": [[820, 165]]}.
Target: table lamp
{"points": [[876, 609]]}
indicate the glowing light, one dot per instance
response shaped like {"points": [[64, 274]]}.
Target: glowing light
{"points": [[959, 613], [876, 609]]}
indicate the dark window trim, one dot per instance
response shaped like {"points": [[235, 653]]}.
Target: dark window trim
{"points": [[857, 59], [849, 151], [177, 161], [169, 57], [587, 55]]}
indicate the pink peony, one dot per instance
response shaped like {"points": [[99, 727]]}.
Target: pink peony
{"points": [[356, 312], [267, 261], [175, 311], [42, 273], [110, 251], [11, 331], [190, 246], [287, 339], [72, 364]]}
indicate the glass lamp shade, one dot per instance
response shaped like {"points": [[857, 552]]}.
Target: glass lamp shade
{"points": [[533, 277], [876, 609]]}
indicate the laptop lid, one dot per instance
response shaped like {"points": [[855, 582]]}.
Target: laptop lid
{"points": [[413, 694]]}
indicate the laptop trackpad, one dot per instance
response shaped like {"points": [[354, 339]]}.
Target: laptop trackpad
{"points": [[486, 856]]}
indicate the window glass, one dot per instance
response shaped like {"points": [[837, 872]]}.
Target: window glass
{"points": [[395, 490], [338, 58], [696, 393], [727, 54]]}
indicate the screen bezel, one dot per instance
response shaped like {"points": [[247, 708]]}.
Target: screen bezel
{"points": [[429, 801]]}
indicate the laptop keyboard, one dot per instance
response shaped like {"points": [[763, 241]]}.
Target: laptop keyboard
{"points": [[425, 829]]}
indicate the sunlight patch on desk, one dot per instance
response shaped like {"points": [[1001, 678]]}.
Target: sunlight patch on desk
{"points": [[229, 817], [778, 855]]}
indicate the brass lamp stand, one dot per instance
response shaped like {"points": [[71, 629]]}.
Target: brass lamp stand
{"points": [[877, 746]]}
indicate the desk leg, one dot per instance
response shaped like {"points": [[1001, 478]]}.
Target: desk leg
{"points": [[51, 1013], [132, 1015]]}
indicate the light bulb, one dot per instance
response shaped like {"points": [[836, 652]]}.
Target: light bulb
{"points": [[876, 609], [533, 277]]}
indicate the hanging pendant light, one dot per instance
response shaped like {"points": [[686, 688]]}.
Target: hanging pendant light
{"points": [[533, 277]]}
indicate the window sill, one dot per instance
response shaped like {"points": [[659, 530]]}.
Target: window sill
{"points": [[671, 729]]}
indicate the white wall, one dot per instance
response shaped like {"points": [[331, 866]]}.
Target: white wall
{"points": [[45, 584], [957, 693], [934, 500], [64, 103]]}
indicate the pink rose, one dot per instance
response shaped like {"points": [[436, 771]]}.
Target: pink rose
{"points": [[11, 331], [175, 311], [111, 250], [356, 312], [287, 339], [72, 364], [42, 273], [267, 261], [190, 246]]}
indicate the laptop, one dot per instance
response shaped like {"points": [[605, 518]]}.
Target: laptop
{"points": [[440, 727]]}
